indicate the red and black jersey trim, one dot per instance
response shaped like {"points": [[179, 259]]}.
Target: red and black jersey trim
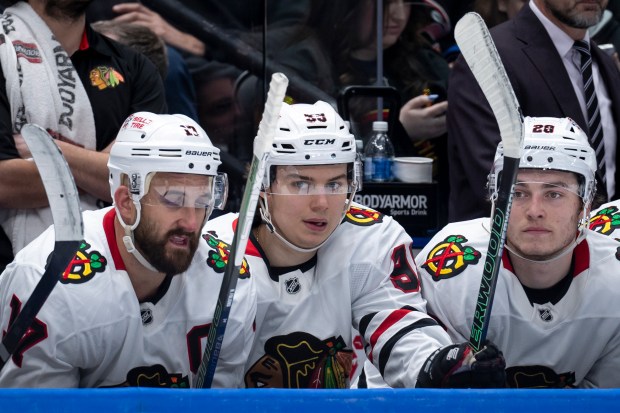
{"points": [[368, 318], [392, 319], [384, 355]]}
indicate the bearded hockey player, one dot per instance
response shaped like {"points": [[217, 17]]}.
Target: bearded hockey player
{"points": [[134, 306]]}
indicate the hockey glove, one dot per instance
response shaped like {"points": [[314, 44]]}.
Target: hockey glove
{"points": [[457, 366]]}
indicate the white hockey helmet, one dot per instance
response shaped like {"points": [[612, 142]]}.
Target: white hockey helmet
{"points": [[311, 135], [555, 144], [149, 143]]}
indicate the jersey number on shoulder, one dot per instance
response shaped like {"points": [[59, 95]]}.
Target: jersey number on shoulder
{"points": [[403, 275], [34, 335]]}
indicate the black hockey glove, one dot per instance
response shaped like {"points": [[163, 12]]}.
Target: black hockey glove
{"points": [[457, 366]]}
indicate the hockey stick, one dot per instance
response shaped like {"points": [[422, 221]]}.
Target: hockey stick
{"points": [[479, 51], [64, 203], [262, 145]]}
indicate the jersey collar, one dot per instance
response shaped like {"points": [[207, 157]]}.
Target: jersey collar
{"points": [[84, 44], [581, 258], [110, 234]]}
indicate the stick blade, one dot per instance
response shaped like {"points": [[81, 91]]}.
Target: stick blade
{"points": [[480, 53], [59, 185], [64, 203], [275, 97]]}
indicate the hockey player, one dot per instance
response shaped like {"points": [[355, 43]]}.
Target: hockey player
{"points": [[134, 306], [553, 314], [323, 264]]}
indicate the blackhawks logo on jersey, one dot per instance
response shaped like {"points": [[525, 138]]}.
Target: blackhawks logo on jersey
{"points": [[218, 256], [84, 265], [363, 216], [154, 376], [605, 221], [538, 377], [450, 257], [300, 360]]}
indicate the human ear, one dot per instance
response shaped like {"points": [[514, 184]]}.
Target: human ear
{"points": [[124, 205]]}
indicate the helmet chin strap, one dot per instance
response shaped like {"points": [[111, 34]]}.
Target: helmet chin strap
{"points": [[266, 216], [128, 238]]}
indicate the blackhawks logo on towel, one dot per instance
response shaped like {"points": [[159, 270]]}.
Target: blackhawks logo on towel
{"points": [[450, 257]]}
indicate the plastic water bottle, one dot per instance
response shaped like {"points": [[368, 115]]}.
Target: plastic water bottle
{"points": [[378, 154]]}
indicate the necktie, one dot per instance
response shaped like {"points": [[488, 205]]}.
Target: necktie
{"points": [[594, 115]]}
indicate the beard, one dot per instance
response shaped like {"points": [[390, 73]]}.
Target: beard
{"points": [[71, 9], [573, 18], [154, 250]]}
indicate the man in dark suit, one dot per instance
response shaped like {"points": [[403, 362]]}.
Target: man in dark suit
{"points": [[536, 50]]}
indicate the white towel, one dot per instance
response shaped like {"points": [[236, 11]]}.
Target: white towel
{"points": [[52, 96]]}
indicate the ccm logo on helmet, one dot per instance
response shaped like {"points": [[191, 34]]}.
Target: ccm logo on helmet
{"points": [[310, 142], [542, 147], [198, 153]]}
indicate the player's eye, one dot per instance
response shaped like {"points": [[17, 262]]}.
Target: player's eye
{"points": [[301, 187], [172, 199]]}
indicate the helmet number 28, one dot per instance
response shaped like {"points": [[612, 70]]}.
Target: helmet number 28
{"points": [[542, 129]]}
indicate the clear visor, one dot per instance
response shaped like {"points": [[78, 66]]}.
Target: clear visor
{"points": [[550, 190], [311, 180], [187, 191]]}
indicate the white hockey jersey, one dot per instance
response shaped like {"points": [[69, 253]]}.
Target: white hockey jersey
{"points": [[574, 342], [362, 277], [93, 332]]}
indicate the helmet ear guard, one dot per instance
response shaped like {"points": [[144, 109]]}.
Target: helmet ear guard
{"points": [[358, 173], [220, 190]]}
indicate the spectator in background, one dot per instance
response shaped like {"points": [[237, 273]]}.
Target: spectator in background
{"points": [[219, 114], [409, 62], [218, 111], [607, 31], [411, 65], [140, 38], [180, 93], [495, 12], [137, 13], [213, 81], [537, 50], [94, 84]]}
